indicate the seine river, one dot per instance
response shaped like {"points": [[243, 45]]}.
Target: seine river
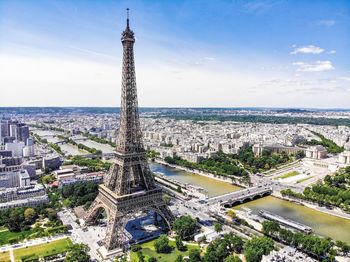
{"points": [[323, 224]]}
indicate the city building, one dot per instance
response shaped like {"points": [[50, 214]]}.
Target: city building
{"points": [[316, 152], [344, 157], [32, 201], [18, 179], [51, 162], [259, 148], [15, 147]]}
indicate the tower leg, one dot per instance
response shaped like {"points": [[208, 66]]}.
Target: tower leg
{"points": [[167, 215], [93, 212], [116, 237]]}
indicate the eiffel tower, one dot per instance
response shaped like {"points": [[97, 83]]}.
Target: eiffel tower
{"points": [[129, 187]]}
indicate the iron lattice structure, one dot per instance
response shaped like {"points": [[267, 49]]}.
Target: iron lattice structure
{"points": [[129, 187]]}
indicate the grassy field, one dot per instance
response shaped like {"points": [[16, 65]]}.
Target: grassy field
{"points": [[149, 251], [54, 247], [290, 174], [6, 235], [304, 179], [5, 256]]}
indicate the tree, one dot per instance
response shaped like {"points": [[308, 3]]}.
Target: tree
{"points": [[161, 245], [51, 214], [15, 220], [179, 258], [232, 258], [78, 253], [166, 199], [347, 170], [140, 256], [217, 227], [185, 226], [136, 248], [30, 215], [345, 248], [231, 214], [194, 255], [179, 244], [270, 227], [236, 243], [152, 259], [300, 154], [255, 248]]}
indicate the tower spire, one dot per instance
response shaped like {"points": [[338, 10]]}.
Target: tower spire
{"points": [[128, 34], [127, 18]]}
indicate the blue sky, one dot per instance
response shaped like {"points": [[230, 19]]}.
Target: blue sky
{"points": [[188, 53]]}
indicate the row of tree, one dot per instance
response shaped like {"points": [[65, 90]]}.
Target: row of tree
{"points": [[99, 140], [333, 191], [261, 119], [324, 249], [94, 165], [221, 164], [57, 148], [80, 146], [327, 143]]}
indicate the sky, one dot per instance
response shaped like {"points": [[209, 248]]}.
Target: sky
{"points": [[199, 53]]}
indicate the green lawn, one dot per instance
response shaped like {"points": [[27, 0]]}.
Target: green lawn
{"points": [[6, 235], [54, 247], [5, 256], [304, 179], [290, 174], [149, 251]]}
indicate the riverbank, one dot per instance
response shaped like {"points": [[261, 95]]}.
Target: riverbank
{"points": [[333, 212], [202, 173]]}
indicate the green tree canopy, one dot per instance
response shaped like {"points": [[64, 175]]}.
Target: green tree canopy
{"points": [[78, 253], [255, 248], [161, 245], [185, 227]]}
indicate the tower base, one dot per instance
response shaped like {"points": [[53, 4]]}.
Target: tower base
{"points": [[108, 254], [120, 209]]}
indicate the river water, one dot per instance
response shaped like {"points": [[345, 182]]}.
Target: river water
{"points": [[323, 224], [211, 186], [51, 137]]}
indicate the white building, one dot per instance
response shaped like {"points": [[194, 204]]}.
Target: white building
{"points": [[16, 148], [19, 179], [28, 151], [316, 152], [344, 157]]}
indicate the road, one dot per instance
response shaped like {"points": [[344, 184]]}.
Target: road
{"points": [[201, 212], [90, 236]]}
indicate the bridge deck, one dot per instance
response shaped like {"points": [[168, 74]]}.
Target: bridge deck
{"points": [[241, 194]]}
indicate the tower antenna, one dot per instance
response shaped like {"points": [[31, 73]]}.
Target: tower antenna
{"points": [[127, 17]]}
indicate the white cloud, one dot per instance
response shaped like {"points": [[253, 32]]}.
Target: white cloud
{"points": [[309, 49], [317, 66], [332, 52], [312, 86], [260, 6], [345, 78], [327, 23]]}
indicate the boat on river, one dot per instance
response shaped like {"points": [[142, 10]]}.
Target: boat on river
{"points": [[285, 221]]}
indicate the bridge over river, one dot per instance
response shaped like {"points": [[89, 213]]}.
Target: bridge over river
{"points": [[238, 197]]}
